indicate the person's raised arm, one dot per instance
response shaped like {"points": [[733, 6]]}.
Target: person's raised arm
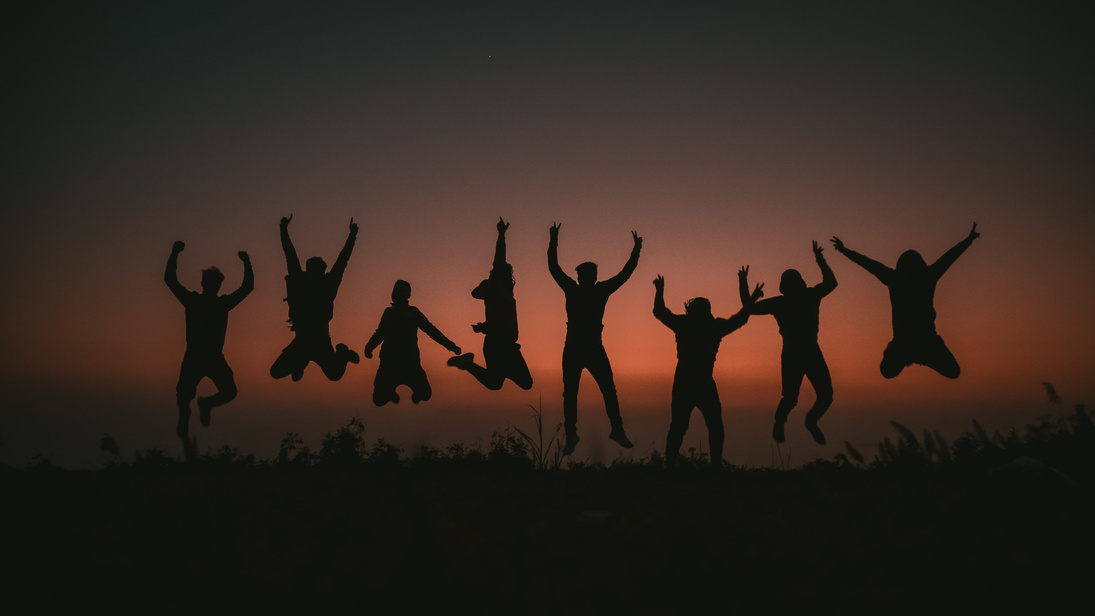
{"points": [[944, 262], [617, 281], [748, 301], [565, 282], [248, 281], [661, 313], [292, 263], [500, 244], [430, 330], [828, 279], [873, 267], [171, 276], [339, 267]]}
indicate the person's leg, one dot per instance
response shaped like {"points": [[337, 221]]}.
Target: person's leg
{"points": [[601, 371], [293, 360], [419, 384], [817, 371], [573, 364], [516, 369], [185, 390], [488, 375], [938, 357], [711, 408], [680, 410], [221, 375], [791, 372], [384, 386], [894, 360], [330, 360]]}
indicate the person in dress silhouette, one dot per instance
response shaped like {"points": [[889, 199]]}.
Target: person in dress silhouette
{"points": [[912, 292], [796, 313], [501, 353], [698, 335], [310, 293], [584, 348], [400, 362], [206, 326]]}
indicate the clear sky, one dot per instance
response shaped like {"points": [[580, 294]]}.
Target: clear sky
{"points": [[725, 134]]}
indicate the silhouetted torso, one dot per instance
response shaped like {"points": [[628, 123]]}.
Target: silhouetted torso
{"points": [[698, 340], [207, 321], [499, 306], [912, 297], [311, 300], [398, 329], [796, 315]]}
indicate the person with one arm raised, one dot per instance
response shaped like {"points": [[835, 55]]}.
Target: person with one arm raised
{"points": [[501, 353]]}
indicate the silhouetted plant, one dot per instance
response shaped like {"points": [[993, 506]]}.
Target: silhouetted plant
{"points": [[544, 457], [384, 455], [293, 452], [345, 447], [109, 446]]}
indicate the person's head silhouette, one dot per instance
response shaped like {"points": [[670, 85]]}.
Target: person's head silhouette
{"points": [[211, 280], [698, 307], [587, 273], [911, 261], [791, 283], [401, 292], [315, 266]]}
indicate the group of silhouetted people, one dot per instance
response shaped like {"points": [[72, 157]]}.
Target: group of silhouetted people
{"points": [[311, 291]]}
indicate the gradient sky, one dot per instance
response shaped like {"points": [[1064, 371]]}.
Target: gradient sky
{"points": [[724, 133]]}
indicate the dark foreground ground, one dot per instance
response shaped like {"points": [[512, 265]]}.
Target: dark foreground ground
{"points": [[519, 541]]}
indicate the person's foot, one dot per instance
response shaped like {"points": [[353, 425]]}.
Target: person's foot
{"points": [[351, 355], [777, 430], [183, 427], [394, 399], [618, 435], [414, 398], [571, 443], [461, 361], [815, 432], [298, 375]]}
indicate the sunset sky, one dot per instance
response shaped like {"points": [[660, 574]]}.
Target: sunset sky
{"points": [[724, 133]]}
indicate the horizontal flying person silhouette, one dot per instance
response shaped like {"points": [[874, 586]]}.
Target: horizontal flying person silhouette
{"points": [[310, 293], [796, 313], [584, 348], [206, 326], [912, 293], [501, 353], [400, 362], [698, 335]]}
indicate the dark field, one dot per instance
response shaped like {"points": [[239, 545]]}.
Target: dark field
{"points": [[186, 539], [986, 524]]}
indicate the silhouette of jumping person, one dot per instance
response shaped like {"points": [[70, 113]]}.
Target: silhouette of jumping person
{"points": [[796, 313], [400, 363], [584, 349], [206, 325], [310, 293], [698, 335], [501, 353], [912, 292]]}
